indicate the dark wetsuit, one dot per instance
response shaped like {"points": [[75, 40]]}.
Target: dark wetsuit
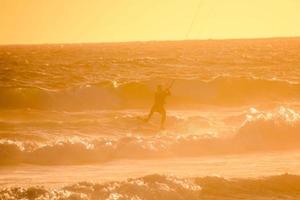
{"points": [[159, 101], [158, 106]]}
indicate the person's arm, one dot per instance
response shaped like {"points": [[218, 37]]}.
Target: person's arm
{"points": [[167, 91]]}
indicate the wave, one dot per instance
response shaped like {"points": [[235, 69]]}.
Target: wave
{"points": [[36, 125], [157, 187], [261, 131], [222, 90], [279, 129]]}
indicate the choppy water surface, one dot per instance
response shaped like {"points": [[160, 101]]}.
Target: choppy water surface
{"points": [[64, 107]]}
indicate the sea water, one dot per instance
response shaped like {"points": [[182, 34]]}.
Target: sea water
{"points": [[71, 120]]}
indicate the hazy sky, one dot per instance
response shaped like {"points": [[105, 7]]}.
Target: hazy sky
{"points": [[67, 21]]}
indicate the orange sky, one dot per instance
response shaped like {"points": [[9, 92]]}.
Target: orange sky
{"points": [[68, 21]]}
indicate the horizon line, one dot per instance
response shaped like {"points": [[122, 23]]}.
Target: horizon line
{"points": [[149, 41]]}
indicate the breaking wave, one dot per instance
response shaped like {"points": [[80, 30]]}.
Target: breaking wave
{"points": [[160, 187], [222, 90], [277, 130]]}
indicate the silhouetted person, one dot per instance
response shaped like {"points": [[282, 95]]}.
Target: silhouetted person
{"points": [[159, 103]]}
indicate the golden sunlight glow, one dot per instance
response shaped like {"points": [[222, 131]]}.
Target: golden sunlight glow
{"points": [[208, 108], [67, 21]]}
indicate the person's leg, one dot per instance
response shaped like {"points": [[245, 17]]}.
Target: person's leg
{"points": [[150, 113], [163, 118]]}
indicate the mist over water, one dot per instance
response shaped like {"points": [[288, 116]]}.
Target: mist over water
{"points": [[65, 105]]}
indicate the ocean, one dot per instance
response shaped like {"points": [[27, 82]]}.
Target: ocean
{"points": [[71, 120]]}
